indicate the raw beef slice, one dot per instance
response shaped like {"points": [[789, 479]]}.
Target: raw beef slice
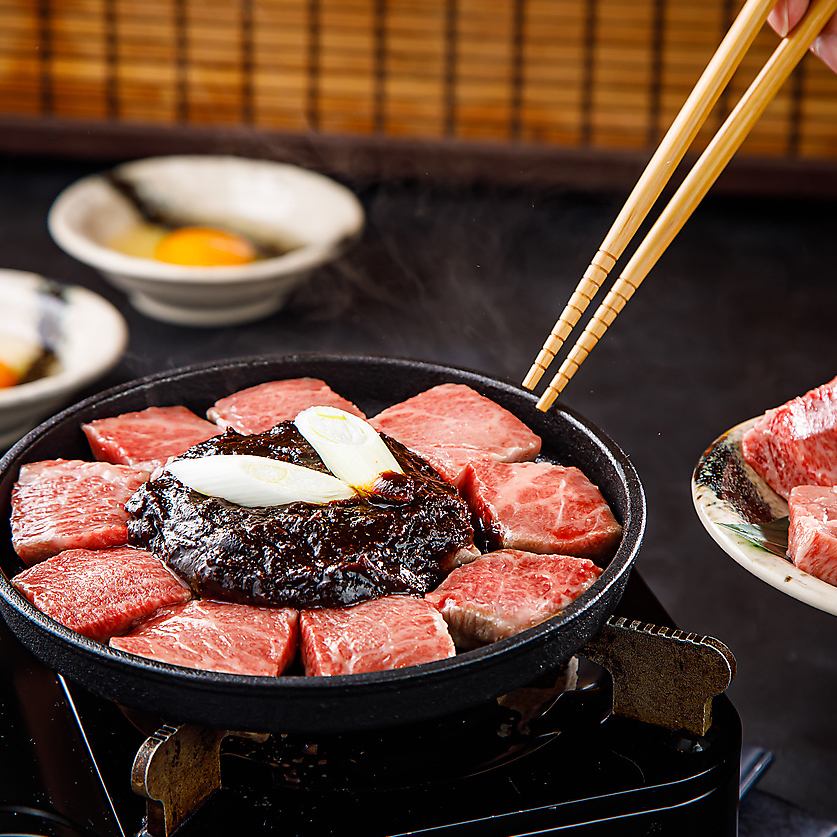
{"points": [[257, 409], [451, 425], [147, 438], [506, 592], [100, 592], [796, 444], [539, 507], [63, 504], [218, 636], [812, 538], [393, 632]]}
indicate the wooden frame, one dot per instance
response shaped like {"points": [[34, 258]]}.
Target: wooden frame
{"points": [[376, 158]]}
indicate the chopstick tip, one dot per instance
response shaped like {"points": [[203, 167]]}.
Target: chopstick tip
{"points": [[547, 400], [533, 376]]}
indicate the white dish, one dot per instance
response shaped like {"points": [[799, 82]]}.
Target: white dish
{"points": [[88, 337], [714, 511], [275, 202]]}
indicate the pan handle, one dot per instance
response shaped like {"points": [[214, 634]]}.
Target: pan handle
{"points": [[176, 769], [662, 676]]}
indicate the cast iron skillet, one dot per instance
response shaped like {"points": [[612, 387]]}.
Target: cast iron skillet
{"points": [[324, 704]]}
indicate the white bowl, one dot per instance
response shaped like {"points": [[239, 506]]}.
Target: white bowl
{"points": [[276, 202], [89, 337]]}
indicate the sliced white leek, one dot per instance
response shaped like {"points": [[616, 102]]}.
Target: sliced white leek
{"points": [[349, 446], [255, 481]]}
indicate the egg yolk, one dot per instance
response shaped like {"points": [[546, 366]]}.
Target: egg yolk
{"points": [[8, 376], [204, 247]]}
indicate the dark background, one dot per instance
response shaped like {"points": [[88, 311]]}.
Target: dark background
{"points": [[740, 315]]}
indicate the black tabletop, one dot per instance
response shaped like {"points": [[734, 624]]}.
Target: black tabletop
{"points": [[740, 315]]}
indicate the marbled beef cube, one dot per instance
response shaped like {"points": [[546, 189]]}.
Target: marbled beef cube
{"points": [[147, 438], [540, 507], [257, 409], [60, 504], [796, 444], [451, 425], [812, 537], [503, 593], [217, 636], [392, 632], [100, 593]]}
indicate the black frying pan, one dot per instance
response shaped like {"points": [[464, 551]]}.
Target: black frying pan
{"points": [[324, 704]]}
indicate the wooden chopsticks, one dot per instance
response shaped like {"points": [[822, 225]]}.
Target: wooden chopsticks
{"points": [[710, 164]]}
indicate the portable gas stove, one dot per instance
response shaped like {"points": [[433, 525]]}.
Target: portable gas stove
{"points": [[600, 759]]}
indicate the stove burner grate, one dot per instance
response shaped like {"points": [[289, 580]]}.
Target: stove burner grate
{"points": [[664, 677]]}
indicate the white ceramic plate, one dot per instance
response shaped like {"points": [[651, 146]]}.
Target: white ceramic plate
{"points": [[88, 334], [744, 493]]}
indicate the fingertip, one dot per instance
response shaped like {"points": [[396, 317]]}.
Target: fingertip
{"points": [[825, 48], [779, 19]]}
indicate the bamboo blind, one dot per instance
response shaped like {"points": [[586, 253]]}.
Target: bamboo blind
{"points": [[603, 74]]}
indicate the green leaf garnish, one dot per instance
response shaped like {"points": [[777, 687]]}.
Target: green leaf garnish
{"points": [[772, 536]]}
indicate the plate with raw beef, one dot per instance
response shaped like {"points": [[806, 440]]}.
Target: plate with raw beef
{"points": [[302, 544], [766, 491]]}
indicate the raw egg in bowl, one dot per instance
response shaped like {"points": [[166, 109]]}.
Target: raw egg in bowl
{"points": [[206, 240], [54, 340]]}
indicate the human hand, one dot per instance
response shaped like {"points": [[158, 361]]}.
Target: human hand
{"points": [[787, 13]]}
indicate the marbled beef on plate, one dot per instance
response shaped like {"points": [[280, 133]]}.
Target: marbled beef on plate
{"points": [[257, 409], [796, 444], [812, 537], [393, 632], [60, 504], [451, 425], [147, 438], [540, 507], [503, 593], [102, 592], [217, 636]]}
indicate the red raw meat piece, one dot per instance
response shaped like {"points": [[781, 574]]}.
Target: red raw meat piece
{"points": [[393, 632], [217, 636], [100, 592], [796, 444], [540, 507], [63, 504], [503, 593], [147, 438], [257, 409], [812, 537], [450, 463], [451, 425]]}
